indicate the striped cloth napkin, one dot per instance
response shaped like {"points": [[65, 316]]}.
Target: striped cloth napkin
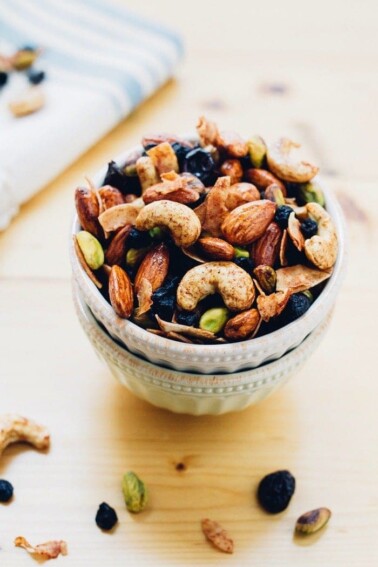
{"points": [[101, 61]]}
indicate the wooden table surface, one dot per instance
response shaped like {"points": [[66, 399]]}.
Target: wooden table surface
{"points": [[256, 68]]}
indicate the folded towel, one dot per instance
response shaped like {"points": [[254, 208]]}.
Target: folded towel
{"points": [[100, 60]]}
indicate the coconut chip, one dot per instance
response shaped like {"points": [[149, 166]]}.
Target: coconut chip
{"points": [[216, 209], [283, 248], [295, 233], [168, 327], [299, 278], [272, 305], [144, 296], [120, 215], [48, 550], [217, 535]]}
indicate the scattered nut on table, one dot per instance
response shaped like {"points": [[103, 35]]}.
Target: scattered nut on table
{"points": [[313, 521], [18, 429]]}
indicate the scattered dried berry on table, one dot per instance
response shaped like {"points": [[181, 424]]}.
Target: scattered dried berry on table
{"points": [[275, 491], [106, 517], [6, 490]]}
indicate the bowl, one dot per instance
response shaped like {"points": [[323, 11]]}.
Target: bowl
{"points": [[189, 393], [225, 358]]}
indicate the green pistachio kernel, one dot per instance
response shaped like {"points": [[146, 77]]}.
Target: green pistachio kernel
{"points": [[309, 295], [257, 150], [157, 233], [91, 249], [134, 492], [135, 255], [24, 58], [313, 521], [311, 193], [241, 252], [266, 277], [214, 319], [278, 196]]}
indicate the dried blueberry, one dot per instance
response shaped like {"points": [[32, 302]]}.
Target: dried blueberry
{"points": [[275, 491], [297, 305], [36, 77], [245, 263], [181, 153], [117, 178], [106, 517], [309, 228], [282, 215], [164, 299], [201, 164], [189, 318], [138, 238], [6, 491], [3, 79]]}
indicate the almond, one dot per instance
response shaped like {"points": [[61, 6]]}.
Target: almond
{"points": [[88, 210], [216, 248], [263, 178], [115, 254], [241, 193], [110, 196], [247, 223], [266, 249], [121, 292], [233, 168], [154, 267], [242, 325]]}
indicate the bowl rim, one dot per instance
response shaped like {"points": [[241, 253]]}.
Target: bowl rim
{"points": [[301, 325], [256, 377]]}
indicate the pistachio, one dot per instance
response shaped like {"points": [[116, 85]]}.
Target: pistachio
{"points": [[266, 278], [24, 58], [135, 255], [91, 249], [242, 325], [240, 252], [274, 193], [214, 319], [134, 492], [311, 193], [312, 521], [257, 150]]}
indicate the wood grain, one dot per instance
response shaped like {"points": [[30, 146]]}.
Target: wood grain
{"points": [[313, 84]]}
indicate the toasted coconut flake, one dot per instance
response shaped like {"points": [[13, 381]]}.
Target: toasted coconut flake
{"points": [[258, 287], [295, 233], [191, 253], [257, 328], [120, 215], [272, 305], [201, 212], [84, 265], [216, 209], [207, 131], [168, 327], [144, 296], [283, 249], [217, 535], [147, 172], [173, 188], [164, 158], [48, 550], [178, 337], [299, 278], [157, 332]]}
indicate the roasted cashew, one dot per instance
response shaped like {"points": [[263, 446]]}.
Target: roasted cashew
{"points": [[15, 429], [180, 220], [226, 278], [321, 249], [282, 163]]}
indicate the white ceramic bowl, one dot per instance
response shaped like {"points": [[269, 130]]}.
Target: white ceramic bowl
{"points": [[224, 358], [196, 394]]}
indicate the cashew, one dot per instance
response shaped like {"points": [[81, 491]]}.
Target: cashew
{"points": [[147, 173], [282, 164], [226, 278], [180, 220], [15, 429], [321, 249]]}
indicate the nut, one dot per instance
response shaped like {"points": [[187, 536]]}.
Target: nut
{"points": [[28, 103], [299, 278], [266, 249], [134, 256], [322, 248], [226, 278], [179, 219], [281, 162], [217, 535], [242, 325], [154, 268], [83, 263], [214, 319], [274, 193], [120, 215], [232, 144], [257, 150], [241, 193], [266, 278], [214, 210], [16, 429], [233, 168], [147, 172], [121, 292], [262, 179], [207, 131], [247, 223], [193, 182], [134, 492], [312, 521], [311, 193], [110, 196], [272, 305], [87, 208], [295, 233], [163, 158], [173, 188], [91, 249], [216, 248], [116, 250]]}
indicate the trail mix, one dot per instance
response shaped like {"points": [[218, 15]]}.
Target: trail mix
{"points": [[208, 241]]}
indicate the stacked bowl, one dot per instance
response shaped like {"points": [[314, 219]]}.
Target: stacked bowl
{"points": [[203, 379]]}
